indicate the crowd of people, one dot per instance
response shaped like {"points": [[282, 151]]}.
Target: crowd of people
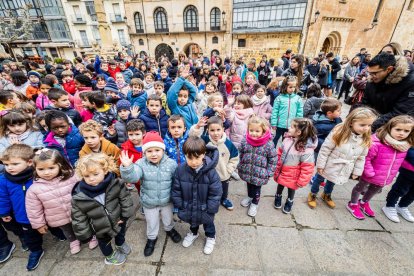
{"points": [[79, 139]]}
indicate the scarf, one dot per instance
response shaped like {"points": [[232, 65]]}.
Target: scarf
{"points": [[19, 137], [93, 191], [257, 101], [257, 142], [34, 84], [22, 177], [402, 146]]}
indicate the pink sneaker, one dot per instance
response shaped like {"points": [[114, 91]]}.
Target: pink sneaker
{"points": [[75, 247], [93, 243], [366, 209], [354, 210]]}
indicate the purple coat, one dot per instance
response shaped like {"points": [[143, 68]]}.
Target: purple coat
{"points": [[382, 163]]}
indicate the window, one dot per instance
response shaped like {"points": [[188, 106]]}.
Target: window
{"points": [[215, 19], [96, 35], [90, 9], [160, 20], [190, 19], [117, 13], [50, 7], [215, 40], [139, 28], [122, 38], [28, 51], [54, 52], [40, 31], [58, 30], [141, 42], [84, 39], [241, 43], [77, 12]]}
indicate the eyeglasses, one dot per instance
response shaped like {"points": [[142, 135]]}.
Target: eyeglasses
{"points": [[375, 73]]}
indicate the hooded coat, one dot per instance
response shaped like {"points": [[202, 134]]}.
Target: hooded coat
{"points": [[238, 119], [159, 123]]}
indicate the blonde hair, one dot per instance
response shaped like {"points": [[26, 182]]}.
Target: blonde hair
{"points": [[91, 125], [402, 119], [90, 162], [250, 74], [343, 131], [264, 124], [214, 97]]}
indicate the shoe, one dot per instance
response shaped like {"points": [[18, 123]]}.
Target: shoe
{"points": [[311, 200], [117, 258], [6, 252], [24, 245], [75, 247], [175, 210], [189, 239], [288, 206], [149, 247], [366, 209], [93, 243], [141, 210], [245, 202], [355, 211], [405, 213], [34, 259], [252, 210], [173, 234], [328, 200], [391, 213], [278, 202], [227, 204], [209, 246], [235, 175], [124, 249]]}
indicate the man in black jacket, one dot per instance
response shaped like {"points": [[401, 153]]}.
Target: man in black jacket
{"points": [[335, 66]]}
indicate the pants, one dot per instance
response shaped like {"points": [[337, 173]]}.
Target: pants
{"points": [[225, 185], [105, 243], [68, 232], [346, 86], [366, 189], [279, 133], [336, 86], [254, 191], [34, 239], [12, 226], [316, 182], [209, 229], [279, 191], [403, 188], [152, 216]]}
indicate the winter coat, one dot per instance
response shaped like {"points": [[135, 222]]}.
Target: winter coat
{"points": [[159, 123], [197, 194], [312, 105], [70, 112], [31, 91], [89, 217], [324, 76], [263, 109], [174, 147], [350, 71], [70, 87], [121, 135], [382, 163], [33, 139], [106, 147], [127, 73], [295, 168], [42, 101], [167, 83], [49, 202], [286, 108], [339, 163], [77, 101], [201, 102], [323, 127], [335, 68], [238, 120], [257, 164], [139, 99], [105, 116], [156, 180]]}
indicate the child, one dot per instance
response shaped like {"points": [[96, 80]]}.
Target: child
{"points": [[160, 92], [68, 82], [113, 68], [100, 83], [155, 171], [314, 100], [42, 101], [296, 161], [237, 89], [55, 81], [33, 89], [63, 136], [249, 87], [83, 84], [8, 100], [48, 201], [261, 103], [121, 84], [127, 73], [342, 155], [101, 206], [258, 158], [117, 133], [385, 156], [112, 92], [59, 100], [137, 96], [165, 79], [215, 108], [203, 96], [88, 111], [149, 83], [135, 130], [103, 113], [175, 138], [154, 117], [196, 191], [238, 116], [26, 109]]}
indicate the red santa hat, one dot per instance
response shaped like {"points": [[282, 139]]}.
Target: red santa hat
{"points": [[152, 140]]}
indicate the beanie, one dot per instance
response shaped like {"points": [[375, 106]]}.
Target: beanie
{"points": [[34, 73], [123, 104], [152, 140], [111, 86]]}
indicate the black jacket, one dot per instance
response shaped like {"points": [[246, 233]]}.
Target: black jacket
{"points": [[336, 67]]}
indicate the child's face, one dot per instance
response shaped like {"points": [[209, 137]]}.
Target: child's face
{"points": [[44, 89], [92, 139], [59, 127], [154, 155], [176, 128], [62, 102], [164, 74], [291, 87], [101, 82], [112, 94], [34, 79], [216, 132], [194, 162], [149, 79], [218, 103], [17, 129], [238, 105], [104, 66], [183, 97], [260, 93], [400, 132], [136, 89], [362, 126], [113, 66], [47, 169], [28, 114], [159, 90], [122, 66], [209, 89], [250, 79], [86, 103], [237, 89], [256, 130], [120, 78], [124, 114], [16, 165], [67, 78], [15, 99], [78, 84], [154, 107], [94, 177], [333, 115], [68, 66], [293, 130], [135, 137]]}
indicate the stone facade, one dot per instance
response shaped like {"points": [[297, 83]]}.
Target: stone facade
{"points": [[404, 31]]}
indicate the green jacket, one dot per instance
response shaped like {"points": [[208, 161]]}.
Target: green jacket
{"points": [[286, 108]]}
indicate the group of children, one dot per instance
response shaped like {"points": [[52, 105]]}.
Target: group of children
{"points": [[69, 164]]}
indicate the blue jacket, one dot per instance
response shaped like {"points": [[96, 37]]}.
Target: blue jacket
{"points": [[167, 83], [159, 124], [139, 99], [323, 127], [98, 70], [172, 145], [127, 73], [187, 111], [197, 194]]}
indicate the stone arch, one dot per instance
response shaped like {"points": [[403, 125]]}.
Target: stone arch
{"points": [[192, 50], [164, 50], [332, 43]]}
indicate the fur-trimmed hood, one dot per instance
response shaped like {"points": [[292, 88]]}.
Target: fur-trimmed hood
{"points": [[401, 70]]}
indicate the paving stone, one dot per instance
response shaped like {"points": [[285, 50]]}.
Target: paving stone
{"points": [[238, 188], [403, 226], [267, 215], [319, 218], [17, 266], [173, 270], [406, 240], [231, 272], [69, 267], [129, 268], [237, 216]]}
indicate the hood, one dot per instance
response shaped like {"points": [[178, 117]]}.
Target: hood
{"points": [[312, 144], [319, 116], [211, 159], [147, 113], [244, 113], [105, 108], [220, 141]]}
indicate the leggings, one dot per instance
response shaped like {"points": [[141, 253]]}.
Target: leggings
{"points": [[254, 192], [366, 189], [279, 191]]}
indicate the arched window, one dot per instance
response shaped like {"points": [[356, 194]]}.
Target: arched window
{"points": [[215, 19], [215, 40], [190, 19], [160, 20], [141, 42], [139, 27]]}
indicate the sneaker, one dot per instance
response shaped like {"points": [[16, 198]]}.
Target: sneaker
{"points": [[311, 200], [175, 210], [328, 200], [93, 243], [149, 247], [129, 186], [227, 204], [124, 249], [75, 247], [34, 259], [366, 209], [278, 202], [235, 175], [189, 239], [141, 210], [6, 252], [288, 206], [209, 246], [355, 211], [245, 202], [117, 258], [405, 213], [252, 210], [24, 245], [391, 213], [173, 234]]}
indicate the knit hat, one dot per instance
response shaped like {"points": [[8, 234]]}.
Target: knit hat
{"points": [[152, 140], [34, 73], [111, 86], [123, 104]]}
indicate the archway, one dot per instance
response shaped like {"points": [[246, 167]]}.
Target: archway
{"points": [[326, 45], [192, 50], [164, 50], [332, 43], [215, 52]]}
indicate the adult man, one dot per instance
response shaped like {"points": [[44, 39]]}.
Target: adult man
{"points": [[286, 59], [313, 67], [390, 87], [362, 53], [335, 66]]}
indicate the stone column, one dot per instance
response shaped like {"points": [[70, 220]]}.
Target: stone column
{"points": [[104, 28]]}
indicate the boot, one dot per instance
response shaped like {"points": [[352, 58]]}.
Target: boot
{"points": [[328, 200], [149, 247], [311, 200], [173, 234]]}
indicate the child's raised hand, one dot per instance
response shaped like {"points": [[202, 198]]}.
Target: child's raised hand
{"points": [[111, 130], [134, 111], [125, 159], [120, 221], [7, 219], [42, 230], [202, 122], [14, 140], [230, 100]]}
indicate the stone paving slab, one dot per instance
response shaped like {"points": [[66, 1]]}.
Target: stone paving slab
{"points": [[267, 215]]}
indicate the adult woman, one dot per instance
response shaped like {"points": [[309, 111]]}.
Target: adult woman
{"points": [[393, 48], [336, 87], [296, 69], [351, 71], [264, 71]]}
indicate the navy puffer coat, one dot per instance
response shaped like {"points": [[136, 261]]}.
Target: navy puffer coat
{"points": [[152, 123]]}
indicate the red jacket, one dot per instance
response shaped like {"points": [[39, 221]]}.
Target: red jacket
{"points": [[136, 155], [113, 71], [70, 87]]}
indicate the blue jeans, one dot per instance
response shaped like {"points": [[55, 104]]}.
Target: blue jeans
{"points": [[209, 229], [316, 182], [279, 133], [105, 242]]}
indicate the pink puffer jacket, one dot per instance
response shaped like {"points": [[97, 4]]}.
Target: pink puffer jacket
{"points": [[49, 202], [238, 119], [382, 163]]}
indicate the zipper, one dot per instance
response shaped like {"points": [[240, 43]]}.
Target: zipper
{"points": [[177, 150], [288, 114], [159, 125], [389, 170]]}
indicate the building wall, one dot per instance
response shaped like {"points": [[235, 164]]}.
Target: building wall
{"points": [[404, 32]]}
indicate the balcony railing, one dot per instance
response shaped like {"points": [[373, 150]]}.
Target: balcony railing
{"points": [[117, 17]]}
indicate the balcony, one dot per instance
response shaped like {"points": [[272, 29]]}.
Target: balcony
{"points": [[191, 29], [117, 18], [83, 43], [78, 19]]}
